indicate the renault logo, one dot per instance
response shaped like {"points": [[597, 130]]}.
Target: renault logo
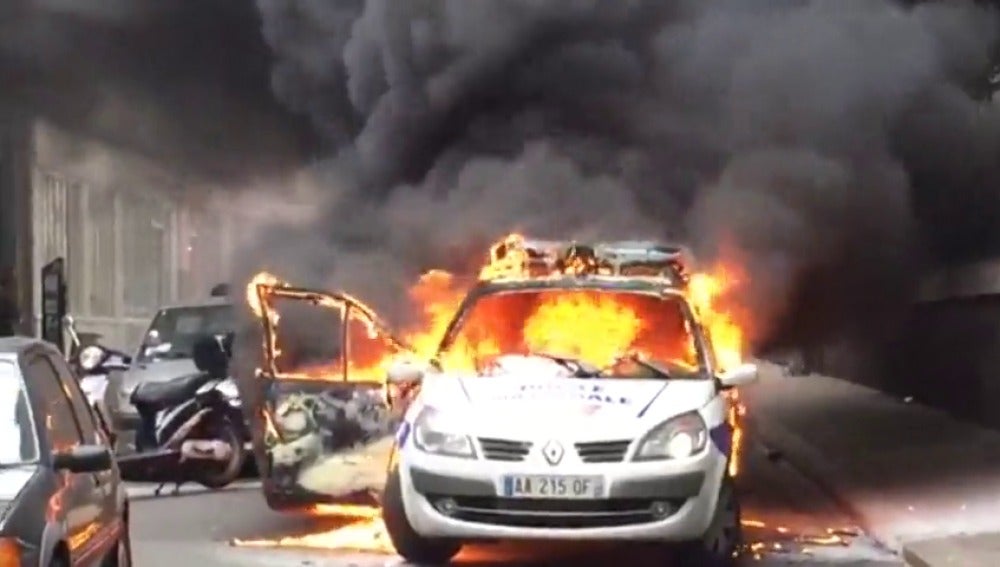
{"points": [[553, 452]]}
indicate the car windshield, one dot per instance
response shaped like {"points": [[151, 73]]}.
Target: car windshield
{"points": [[174, 330], [18, 440], [595, 332]]}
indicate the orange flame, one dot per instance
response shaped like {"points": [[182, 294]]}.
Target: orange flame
{"points": [[604, 325], [708, 292], [592, 326]]}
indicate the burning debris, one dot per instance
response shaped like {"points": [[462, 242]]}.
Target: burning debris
{"points": [[364, 532]]}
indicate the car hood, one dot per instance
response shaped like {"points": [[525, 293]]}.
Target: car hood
{"points": [[525, 403], [157, 371]]}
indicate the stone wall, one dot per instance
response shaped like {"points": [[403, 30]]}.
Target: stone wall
{"points": [[949, 357], [946, 355], [135, 234]]}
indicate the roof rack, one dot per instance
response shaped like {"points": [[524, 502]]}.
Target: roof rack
{"points": [[518, 257]]}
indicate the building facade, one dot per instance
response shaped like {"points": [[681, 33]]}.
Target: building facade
{"points": [[134, 234]]}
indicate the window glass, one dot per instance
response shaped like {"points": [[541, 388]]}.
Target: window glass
{"points": [[174, 331], [596, 326], [84, 415], [18, 442], [51, 406]]}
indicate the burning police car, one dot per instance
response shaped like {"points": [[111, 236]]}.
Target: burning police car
{"points": [[619, 436], [575, 393]]}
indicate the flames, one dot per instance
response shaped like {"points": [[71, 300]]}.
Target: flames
{"points": [[593, 326], [546, 329], [711, 294], [372, 346], [603, 325]]}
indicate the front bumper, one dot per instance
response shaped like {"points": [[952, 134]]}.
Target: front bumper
{"points": [[685, 492]]}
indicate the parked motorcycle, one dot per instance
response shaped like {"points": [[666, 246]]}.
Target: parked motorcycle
{"points": [[191, 428], [93, 362]]}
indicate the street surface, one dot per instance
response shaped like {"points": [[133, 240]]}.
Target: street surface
{"points": [[788, 522]]}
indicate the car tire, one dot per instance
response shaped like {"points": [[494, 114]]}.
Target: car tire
{"points": [[408, 543], [723, 538]]}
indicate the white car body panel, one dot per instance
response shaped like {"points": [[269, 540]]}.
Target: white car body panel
{"points": [[535, 400]]}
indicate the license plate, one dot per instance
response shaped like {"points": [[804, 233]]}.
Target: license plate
{"points": [[553, 486]]}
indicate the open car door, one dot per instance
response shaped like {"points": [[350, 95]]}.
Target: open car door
{"points": [[328, 431]]}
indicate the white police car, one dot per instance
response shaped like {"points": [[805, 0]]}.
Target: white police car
{"points": [[535, 446]]}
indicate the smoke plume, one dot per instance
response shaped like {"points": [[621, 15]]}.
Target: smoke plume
{"points": [[832, 146], [185, 83]]}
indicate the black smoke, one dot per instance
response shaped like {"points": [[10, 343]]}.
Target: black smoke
{"points": [[184, 83], [836, 147]]}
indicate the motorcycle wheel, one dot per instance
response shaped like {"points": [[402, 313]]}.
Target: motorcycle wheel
{"points": [[216, 476]]}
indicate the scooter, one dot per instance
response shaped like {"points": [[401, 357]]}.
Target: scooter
{"points": [[92, 363], [191, 428]]}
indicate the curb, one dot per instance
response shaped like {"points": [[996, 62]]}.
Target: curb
{"points": [[967, 550], [808, 462]]}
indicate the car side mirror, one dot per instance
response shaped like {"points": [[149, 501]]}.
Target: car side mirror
{"points": [[83, 459], [744, 374], [404, 373]]}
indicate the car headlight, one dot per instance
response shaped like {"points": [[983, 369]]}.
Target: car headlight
{"points": [[434, 433], [90, 357], [676, 438]]}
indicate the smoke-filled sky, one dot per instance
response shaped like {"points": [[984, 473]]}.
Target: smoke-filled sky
{"points": [[186, 83], [831, 145]]}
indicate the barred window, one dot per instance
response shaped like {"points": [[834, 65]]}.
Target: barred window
{"points": [[201, 255], [50, 218], [103, 265], [145, 224]]}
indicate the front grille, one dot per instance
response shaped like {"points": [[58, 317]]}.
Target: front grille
{"points": [[503, 449], [602, 451], [555, 513]]}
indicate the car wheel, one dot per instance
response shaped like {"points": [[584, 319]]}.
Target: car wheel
{"points": [[721, 542], [408, 543]]}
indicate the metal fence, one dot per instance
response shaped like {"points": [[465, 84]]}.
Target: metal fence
{"points": [[128, 252]]}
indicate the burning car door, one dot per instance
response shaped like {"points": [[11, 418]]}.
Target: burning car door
{"points": [[328, 430]]}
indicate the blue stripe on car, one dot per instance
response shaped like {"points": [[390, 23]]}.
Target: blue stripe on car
{"points": [[402, 434], [722, 437]]}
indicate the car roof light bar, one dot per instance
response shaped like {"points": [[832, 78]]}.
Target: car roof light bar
{"points": [[517, 257]]}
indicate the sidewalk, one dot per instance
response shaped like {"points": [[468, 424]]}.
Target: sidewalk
{"points": [[915, 478]]}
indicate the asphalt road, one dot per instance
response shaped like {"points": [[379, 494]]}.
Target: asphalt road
{"points": [[788, 521]]}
